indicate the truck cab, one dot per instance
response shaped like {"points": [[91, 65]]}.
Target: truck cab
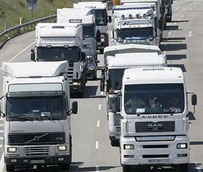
{"points": [[101, 19], [118, 59], [37, 109], [154, 125], [86, 19], [135, 24], [59, 42]]}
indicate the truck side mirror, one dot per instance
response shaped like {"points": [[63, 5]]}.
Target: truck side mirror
{"points": [[109, 19], [194, 99], [32, 54], [83, 56], [98, 36], [74, 107]]}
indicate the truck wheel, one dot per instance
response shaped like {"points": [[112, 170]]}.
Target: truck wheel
{"points": [[95, 75], [65, 166], [183, 167], [126, 168], [115, 143], [10, 168]]}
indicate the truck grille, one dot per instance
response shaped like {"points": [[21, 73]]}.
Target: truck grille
{"points": [[37, 151], [36, 138], [117, 120], [162, 126]]}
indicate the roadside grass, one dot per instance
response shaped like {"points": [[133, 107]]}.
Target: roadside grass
{"points": [[12, 10]]}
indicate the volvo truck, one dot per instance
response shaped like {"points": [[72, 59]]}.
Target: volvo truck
{"points": [[37, 108]]}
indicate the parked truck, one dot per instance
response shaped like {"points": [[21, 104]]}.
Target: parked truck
{"points": [[59, 42], [101, 19], [135, 24], [155, 124], [37, 109], [119, 58]]}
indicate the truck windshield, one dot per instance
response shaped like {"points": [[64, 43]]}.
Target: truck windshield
{"points": [[115, 78], [72, 54], [35, 108], [154, 99], [101, 17], [88, 31], [131, 35]]}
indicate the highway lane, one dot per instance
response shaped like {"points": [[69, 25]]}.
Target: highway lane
{"points": [[91, 147]]}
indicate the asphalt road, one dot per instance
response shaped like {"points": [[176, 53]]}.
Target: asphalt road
{"points": [[92, 152]]}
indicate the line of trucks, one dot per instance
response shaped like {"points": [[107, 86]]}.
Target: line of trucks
{"points": [[147, 105]]}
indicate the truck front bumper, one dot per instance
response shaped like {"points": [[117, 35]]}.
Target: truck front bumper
{"points": [[60, 159], [154, 152]]}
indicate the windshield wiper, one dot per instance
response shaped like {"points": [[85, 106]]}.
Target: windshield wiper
{"points": [[21, 118]]}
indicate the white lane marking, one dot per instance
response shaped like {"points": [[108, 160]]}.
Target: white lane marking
{"points": [[97, 168], [21, 51], [102, 93], [98, 124], [197, 167], [1, 138], [99, 107], [1, 125], [2, 162], [97, 145], [1, 131], [1, 146], [190, 34]]}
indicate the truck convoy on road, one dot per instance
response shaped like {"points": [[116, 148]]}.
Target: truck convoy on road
{"points": [[59, 42], [154, 125], [37, 110], [117, 59], [147, 102], [101, 20]]}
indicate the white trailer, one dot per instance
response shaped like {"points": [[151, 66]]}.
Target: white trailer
{"points": [[101, 19], [58, 42], [132, 56], [36, 106], [155, 124]]}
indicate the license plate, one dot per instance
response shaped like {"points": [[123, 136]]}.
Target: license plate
{"points": [[158, 161], [37, 161]]}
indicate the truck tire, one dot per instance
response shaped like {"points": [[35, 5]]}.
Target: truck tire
{"points": [[101, 51], [65, 166], [126, 168], [10, 168], [115, 143], [183, 167]]}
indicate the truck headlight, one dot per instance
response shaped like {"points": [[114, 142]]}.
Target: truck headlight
{"points": [[182, 146], [12, 149], [128, 146], [62, 148], [102, 38], [76, 83]]}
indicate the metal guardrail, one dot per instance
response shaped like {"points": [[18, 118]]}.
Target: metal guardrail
{"points": [[23, 28]]}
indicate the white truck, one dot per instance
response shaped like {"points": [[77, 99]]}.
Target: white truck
{"points": [[85, 18], [101, 19], [155, 124], [159, 9], [130, 56], [135, 24], [59, 42], [36, 106]]}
